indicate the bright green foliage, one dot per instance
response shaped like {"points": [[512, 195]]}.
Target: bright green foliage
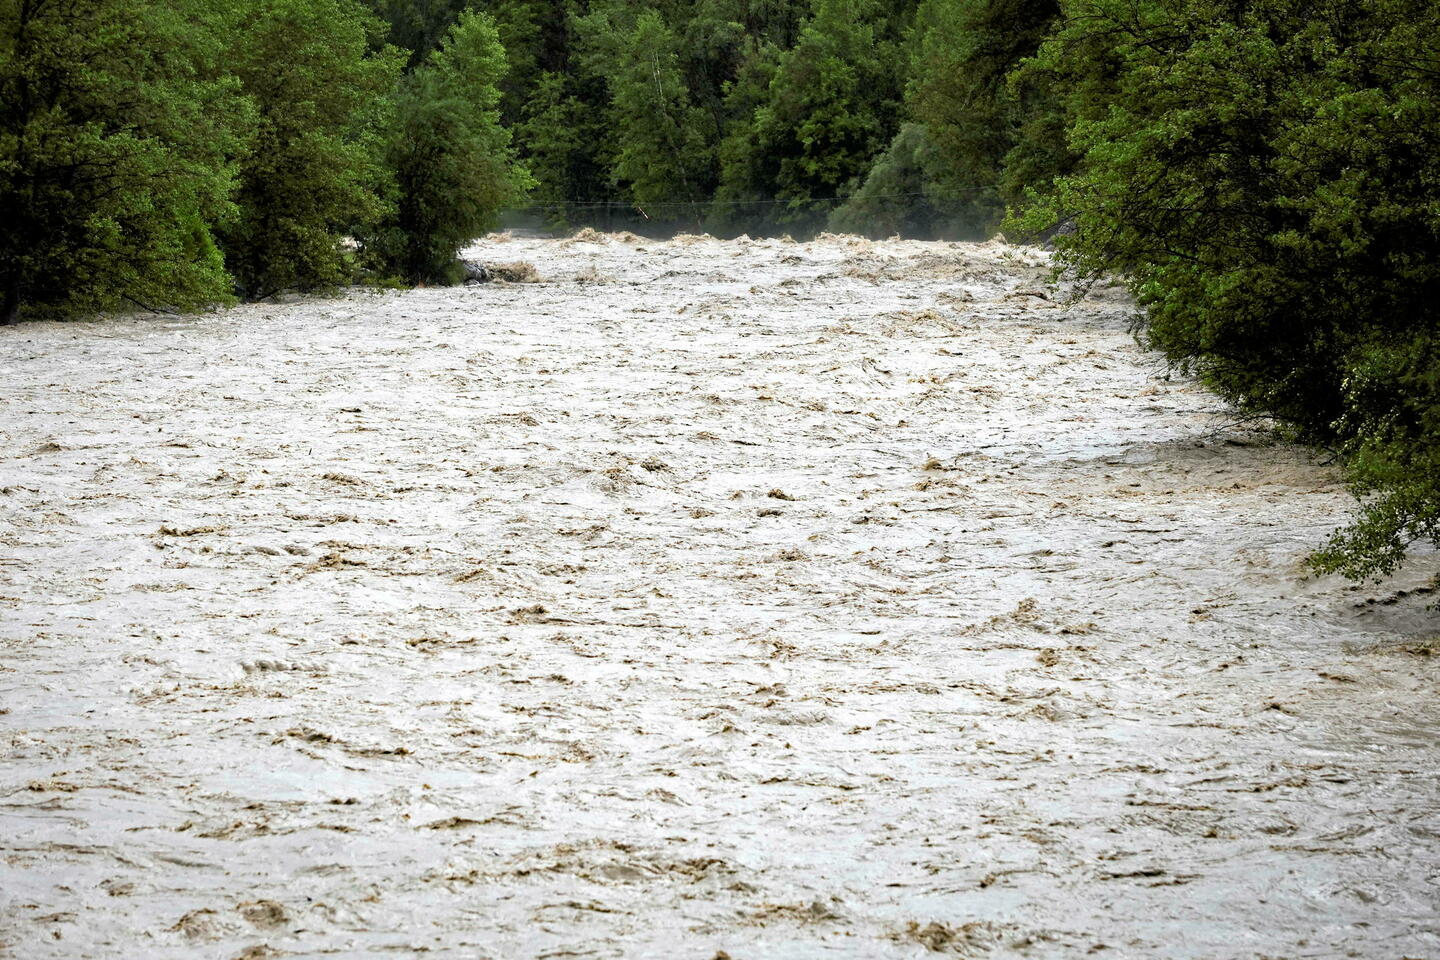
{"points": [[117, 149], [826, 116], [1268, 178], [313, 170], [1392, 442], [451, 158]]}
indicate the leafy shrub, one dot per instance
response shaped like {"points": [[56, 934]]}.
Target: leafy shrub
{"points": [[114, 166], [312, 172], [1267, 177], [450, 157]]}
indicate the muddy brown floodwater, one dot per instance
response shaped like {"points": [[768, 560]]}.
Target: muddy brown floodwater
{"points": [[760, 599]]}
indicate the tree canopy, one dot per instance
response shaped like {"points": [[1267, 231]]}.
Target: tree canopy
{"points": [[449, 156], [1267, 178], [116, 168]]}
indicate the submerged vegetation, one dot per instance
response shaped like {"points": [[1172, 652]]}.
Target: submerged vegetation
{"points": [[1264, 175]]}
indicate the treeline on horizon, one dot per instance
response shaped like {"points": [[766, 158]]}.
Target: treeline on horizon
{"points": [[878, 117], [1263, 174]]}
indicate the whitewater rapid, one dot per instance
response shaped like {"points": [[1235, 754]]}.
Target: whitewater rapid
{"points": [[749, 598]]}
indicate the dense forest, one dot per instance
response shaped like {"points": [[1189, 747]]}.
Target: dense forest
{"points": [[1265, 174], [767, 116]]}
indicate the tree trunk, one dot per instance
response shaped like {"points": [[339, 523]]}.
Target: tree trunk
{"points": [[10, 307]]}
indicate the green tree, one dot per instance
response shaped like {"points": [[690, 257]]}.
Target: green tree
{"points": [[744, 199], [535, 34], [661, 154], [415, 26], [117, 147], [1391, 442], [452, 162], [829, 111], [558, 135], [313, 171], [994, 135], [711, 42], [903, 194], [1267, 176], [655, 141]]}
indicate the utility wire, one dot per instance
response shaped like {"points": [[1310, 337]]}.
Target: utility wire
{"points": [[966, 194]]}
